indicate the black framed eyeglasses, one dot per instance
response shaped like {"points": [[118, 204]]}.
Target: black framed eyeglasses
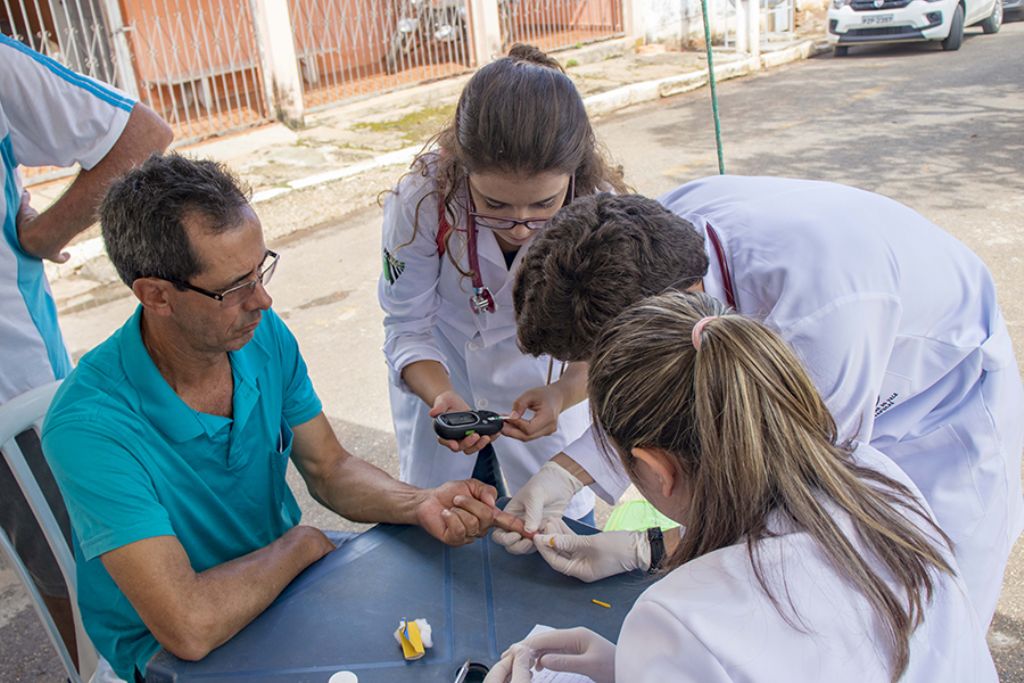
{"points": [[497, 223], [239, 293]]}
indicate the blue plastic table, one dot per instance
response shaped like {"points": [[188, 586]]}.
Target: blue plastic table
{"points": [[339, 615]]}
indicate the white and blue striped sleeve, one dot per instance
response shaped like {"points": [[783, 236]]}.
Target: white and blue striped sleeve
{"points": [[57, 117]]}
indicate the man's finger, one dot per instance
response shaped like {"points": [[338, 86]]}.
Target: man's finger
{"points": [[477, 508], [470, 521], [454, 529], [509, 522], [483, 492]]}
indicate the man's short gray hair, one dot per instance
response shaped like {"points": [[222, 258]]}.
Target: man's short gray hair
{"points": [[142, 216]]}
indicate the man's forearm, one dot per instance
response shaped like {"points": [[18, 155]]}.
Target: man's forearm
{"points": [[225, 598], [362, 492], [74, 211]]}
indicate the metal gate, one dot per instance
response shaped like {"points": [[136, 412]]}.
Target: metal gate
{"points": [[194, 62], [557, 24], [349, 48]]}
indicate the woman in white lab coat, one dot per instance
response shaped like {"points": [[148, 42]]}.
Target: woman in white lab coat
{"points": [[803, 559], [520, 147]]}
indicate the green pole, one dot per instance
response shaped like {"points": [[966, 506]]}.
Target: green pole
{"points": [[714, 89]]}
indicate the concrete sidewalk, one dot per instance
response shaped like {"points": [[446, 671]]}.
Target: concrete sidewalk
{"points": [[346, 156]]}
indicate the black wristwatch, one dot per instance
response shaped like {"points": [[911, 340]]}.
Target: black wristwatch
{"points": [[657, 542]]}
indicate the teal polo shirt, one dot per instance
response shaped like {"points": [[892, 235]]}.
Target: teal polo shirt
{"points": [[134, 461]]}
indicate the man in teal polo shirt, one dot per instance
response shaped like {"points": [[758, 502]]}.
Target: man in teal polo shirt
{"points": [[171, 438]]}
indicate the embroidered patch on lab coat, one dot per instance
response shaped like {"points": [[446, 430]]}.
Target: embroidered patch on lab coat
{"points": [[392, 267]]}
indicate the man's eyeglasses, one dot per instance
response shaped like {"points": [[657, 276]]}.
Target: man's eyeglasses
{"points": [[497, 223], [239, 293]]}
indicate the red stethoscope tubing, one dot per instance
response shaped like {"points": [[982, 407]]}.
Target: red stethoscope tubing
{"points": [[482, 299], [716, 244]]}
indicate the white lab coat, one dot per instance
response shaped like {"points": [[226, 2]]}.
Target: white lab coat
{"points": [[428, 316], [898, 325], [710, 621]]}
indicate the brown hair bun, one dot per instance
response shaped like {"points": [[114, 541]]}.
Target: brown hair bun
{"points": [[521, 52]]}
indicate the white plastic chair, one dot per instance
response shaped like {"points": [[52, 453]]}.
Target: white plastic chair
{"points": [[16, 416]]}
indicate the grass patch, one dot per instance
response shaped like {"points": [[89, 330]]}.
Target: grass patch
{"points": [[416, 126]]}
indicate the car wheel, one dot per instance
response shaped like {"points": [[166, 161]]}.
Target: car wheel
{"points": [[995, 20], [956, 30], [841, 50]]}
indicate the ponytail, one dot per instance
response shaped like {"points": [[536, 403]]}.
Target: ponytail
{"points": [[728, 398]]}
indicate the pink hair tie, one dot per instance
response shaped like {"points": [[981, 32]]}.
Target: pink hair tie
{"points": [[698, 329]]}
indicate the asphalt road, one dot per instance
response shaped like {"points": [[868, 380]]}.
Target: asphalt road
{"points": [[941, 132]]}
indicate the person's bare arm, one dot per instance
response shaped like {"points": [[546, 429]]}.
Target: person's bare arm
{"points": [[427, 379], [457, 512], [192, 613], [46, 234]]}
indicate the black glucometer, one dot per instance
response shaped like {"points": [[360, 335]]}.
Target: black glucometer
{"points": [[459, 425]]}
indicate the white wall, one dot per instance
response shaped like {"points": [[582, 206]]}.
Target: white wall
{"points": [[676, 21]]}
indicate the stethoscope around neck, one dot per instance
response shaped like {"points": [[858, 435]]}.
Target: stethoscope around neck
{"points": [[481, 300], [723, 267]]}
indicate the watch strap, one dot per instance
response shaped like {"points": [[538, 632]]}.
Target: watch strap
{"points": [[656, 539]]}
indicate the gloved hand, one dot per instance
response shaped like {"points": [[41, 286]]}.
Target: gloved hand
{"points": [[591, 558], [547, 494], [515, 666], [577, 650]]}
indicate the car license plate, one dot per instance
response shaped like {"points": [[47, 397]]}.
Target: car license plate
{"points": [[872, 19]]}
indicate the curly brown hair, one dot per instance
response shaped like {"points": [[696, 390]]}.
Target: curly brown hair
{"points": [[595, 258]]}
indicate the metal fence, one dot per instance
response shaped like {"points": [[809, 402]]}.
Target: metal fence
{"points": [[194, 62], [198, 63], [558, 24], [348, 48]]}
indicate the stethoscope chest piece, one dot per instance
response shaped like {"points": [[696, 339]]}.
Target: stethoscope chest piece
{"points": [[482, 301]]}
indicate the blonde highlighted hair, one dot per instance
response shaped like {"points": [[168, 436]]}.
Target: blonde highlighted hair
{"points": [[752, 436]]}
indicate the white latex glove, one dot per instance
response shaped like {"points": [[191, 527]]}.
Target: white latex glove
{"points": [[546, 495], [515, 666], [591, 558], [576, 650]]}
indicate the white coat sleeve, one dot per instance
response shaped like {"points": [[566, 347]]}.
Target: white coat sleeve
{"points": [[57, 117], [654, 647], [411, 267], [846, 346], [610, 478]]}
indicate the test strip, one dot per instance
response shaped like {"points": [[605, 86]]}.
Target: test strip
{"points": [[600, 603]]}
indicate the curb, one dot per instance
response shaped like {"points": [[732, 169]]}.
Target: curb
{"points": [[88, 257]]}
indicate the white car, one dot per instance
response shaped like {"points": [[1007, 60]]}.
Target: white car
{"points": [[863, 22]]}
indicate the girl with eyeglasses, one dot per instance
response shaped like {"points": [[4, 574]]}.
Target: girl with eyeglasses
{"points": [[455, 227], [803, 559]]}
